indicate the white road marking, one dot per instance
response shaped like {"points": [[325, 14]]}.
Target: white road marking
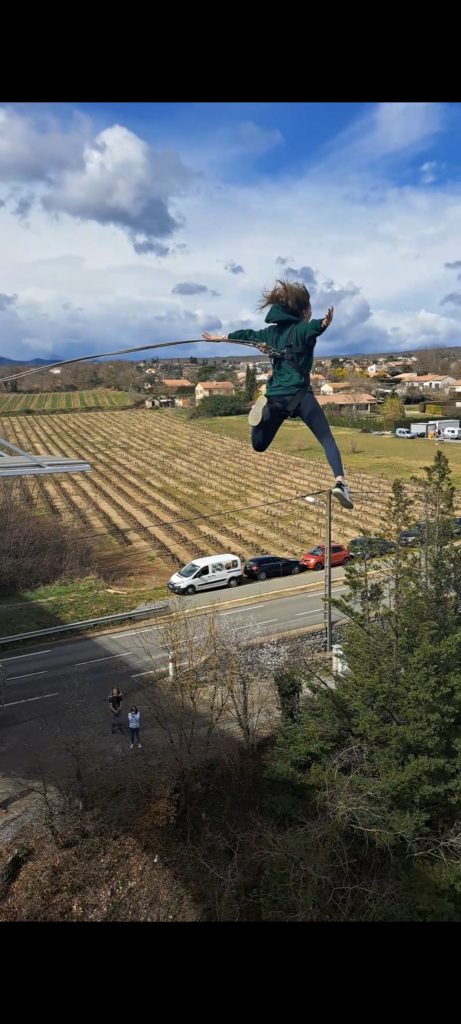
{"points": [[16, 656], [235, 611], [132, 632], [28, 675], [319, 611], [109, 658], [264, 621], [28, 699]]}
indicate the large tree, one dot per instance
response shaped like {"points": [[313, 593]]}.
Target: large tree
{"points": [[373, 764], [392, 410], [250, 382]]}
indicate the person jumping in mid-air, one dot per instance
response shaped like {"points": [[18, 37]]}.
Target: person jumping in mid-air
{"points": [[290, 343]]}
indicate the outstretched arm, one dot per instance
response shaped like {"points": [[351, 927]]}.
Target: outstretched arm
{"points": [[254, 338], [328, 317], [317, 327]]}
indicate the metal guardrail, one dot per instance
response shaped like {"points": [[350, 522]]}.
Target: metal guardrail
{"points": [[138, 613]]}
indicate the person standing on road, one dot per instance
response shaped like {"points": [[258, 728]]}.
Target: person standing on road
{"points": [[134, 718], [115, 702]]}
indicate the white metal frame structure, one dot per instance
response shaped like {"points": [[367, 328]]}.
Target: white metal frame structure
{"points": [[23, 464]]}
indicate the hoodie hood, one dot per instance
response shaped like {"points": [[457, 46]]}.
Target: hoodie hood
{"points": [[279, 315]]}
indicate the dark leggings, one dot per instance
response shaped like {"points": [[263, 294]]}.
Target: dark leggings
{"points": [[134, 734], [311, 414]]}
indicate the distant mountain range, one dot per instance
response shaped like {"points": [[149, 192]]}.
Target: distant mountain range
{"points": [[4, 361]]}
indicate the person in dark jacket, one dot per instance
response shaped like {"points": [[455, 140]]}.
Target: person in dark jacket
{"points": [[290, 341], [115, 703]]}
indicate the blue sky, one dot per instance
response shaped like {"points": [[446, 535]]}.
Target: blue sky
{"points": [[127, 223]]}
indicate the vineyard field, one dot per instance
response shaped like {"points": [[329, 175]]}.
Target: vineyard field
{"points": [[97, 398], [155, 475]]}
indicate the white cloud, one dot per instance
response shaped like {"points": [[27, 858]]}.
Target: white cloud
{"points": [[375, 251], [422, 329], [113, 178], [6, 301], [123, 183], [385, 132], [428, 174], [192, 288], [33, 150], [235, 268]]}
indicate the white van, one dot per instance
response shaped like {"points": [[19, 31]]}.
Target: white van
{"points": [[452, 434], [404, 432], [206, 574]]}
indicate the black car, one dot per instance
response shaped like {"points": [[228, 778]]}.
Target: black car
{"points": [[457, 526], [370, 547], [412, 535], [418, 533], [265, 566]]}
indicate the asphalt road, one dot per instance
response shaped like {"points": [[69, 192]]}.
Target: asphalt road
{"points": [[51, 685]]}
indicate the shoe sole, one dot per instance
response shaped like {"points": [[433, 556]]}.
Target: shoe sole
{"points": [[256, 412], [341, 497]]}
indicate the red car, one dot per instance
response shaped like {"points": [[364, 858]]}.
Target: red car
{"points": [[315, 558]]}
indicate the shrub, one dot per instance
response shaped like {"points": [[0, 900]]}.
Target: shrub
{"points": [[35, 550], [220, 405]]}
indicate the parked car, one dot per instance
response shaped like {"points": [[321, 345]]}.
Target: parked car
{"points": [[416, 534], [404, 432], [207, 574], [457, 526], [412, 535], [264, 566], [315, 558], [370, 547]]}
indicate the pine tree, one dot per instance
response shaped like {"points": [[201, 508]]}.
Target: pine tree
{"points": [[250, 382], [378, 755]]}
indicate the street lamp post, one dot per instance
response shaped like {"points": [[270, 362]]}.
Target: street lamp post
{"points": [[312, 500], [327, 605]]}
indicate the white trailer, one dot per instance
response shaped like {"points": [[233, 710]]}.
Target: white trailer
{"points": [[433, 428]]}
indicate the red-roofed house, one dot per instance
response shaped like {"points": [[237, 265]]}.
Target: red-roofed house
{"points": [[206, 388]]}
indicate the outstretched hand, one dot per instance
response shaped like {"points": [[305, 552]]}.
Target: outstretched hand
{"points": [[328, 318], [208, 336]]}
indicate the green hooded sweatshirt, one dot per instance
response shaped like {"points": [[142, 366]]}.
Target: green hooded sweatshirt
{"points": [[287, 377]]}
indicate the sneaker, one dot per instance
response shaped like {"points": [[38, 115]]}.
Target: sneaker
{"points": [[131, 746], [341, 492], [256, 412], [139, 745]]}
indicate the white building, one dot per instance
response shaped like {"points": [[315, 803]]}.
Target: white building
{"points": [[205, 389], [179, 382], [333, 388], [424, 382], [356, 402]]}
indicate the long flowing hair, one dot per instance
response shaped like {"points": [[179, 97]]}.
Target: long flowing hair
{"points": [[291, 295]]}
